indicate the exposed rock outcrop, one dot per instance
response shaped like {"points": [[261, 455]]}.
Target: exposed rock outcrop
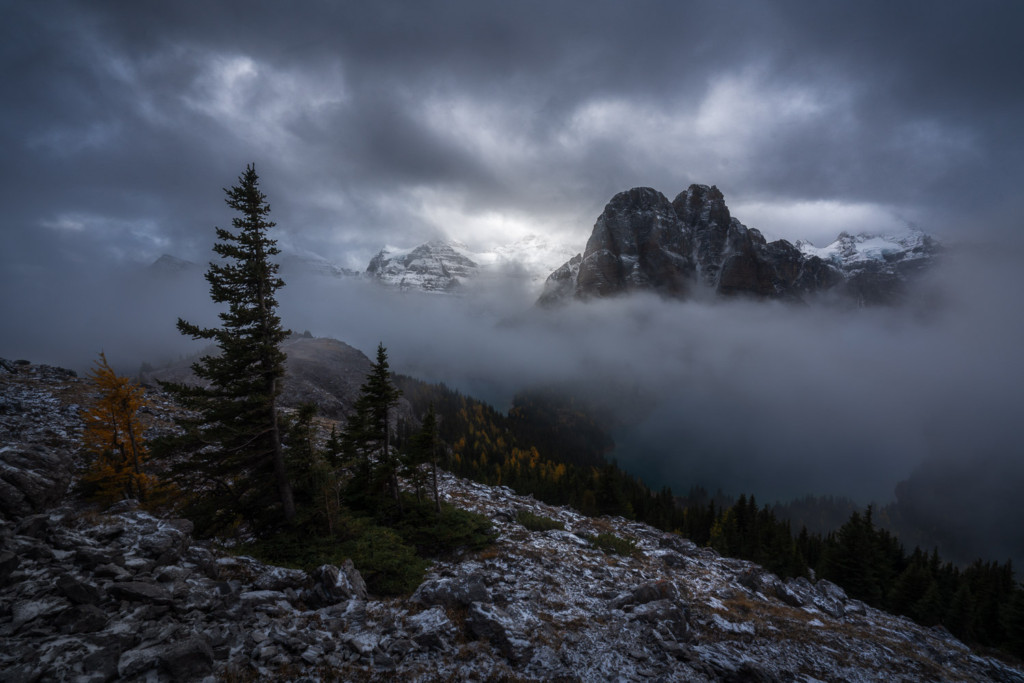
{"points": [[120, 594], [643, 242]]}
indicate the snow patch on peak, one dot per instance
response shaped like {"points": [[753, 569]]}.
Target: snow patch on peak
{"points": [[445, 265], [848, 249]]}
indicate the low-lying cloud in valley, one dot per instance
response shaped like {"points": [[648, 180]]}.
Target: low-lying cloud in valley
{"points": [[374, 124], [779, 400]]}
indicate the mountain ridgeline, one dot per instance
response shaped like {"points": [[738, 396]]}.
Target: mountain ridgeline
{"points": [[644, 242]]}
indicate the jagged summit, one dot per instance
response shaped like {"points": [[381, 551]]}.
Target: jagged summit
{"points": [[643, 242]]}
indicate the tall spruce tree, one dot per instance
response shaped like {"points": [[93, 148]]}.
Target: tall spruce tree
{"points": [[236, 403], [368, 432], [425, 447]]}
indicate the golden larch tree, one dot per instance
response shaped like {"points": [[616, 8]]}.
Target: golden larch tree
{"points": [[113, 433]]}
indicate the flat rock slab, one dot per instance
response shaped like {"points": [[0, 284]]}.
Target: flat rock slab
{"points": [[138, 591]]}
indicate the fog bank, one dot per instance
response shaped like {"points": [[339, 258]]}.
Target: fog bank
{"points": [[775, 399]]}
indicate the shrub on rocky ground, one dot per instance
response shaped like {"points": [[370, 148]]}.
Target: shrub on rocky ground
{"points": [[535, 522], [390, 551], [610, 543]]}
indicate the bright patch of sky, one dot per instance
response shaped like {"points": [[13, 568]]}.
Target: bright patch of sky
{"points": [[491, 131], [818, 222], [482, 229], [256, 102]]}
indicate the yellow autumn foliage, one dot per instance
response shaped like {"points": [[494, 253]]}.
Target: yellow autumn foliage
{"points": [[113, 434]]}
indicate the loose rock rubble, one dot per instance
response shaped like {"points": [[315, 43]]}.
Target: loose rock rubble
{"points": [[119, 594]]}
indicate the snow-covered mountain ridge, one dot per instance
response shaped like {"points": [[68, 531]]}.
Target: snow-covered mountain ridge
{"points": [[120, 594], [848, 249], [448, 266]]}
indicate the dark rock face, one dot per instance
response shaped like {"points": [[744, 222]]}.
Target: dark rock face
{"points": [[332, 585], [637, 244], [643, 242], [25, 486], [562, 283]]}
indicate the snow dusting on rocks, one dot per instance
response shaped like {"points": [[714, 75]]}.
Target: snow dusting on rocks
{"points": [[123, 595]]}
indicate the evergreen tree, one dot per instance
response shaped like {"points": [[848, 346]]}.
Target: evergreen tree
{"points": [[425, 447], [236, 440], [1013, 620], [960, 619], [852, 560], [368, 432], [301, 453]]}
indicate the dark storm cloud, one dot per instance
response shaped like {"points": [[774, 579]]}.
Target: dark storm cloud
{"points": [[127, 114]]}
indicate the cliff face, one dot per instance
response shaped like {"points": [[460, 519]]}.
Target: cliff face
{"points": [[643, 242]]}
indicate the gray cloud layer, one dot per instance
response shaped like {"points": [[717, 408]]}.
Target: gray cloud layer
{"points": [[759, 397], [377, 122]]}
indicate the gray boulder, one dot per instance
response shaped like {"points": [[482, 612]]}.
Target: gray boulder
{"points": [[33, 477], [452, 592], [644, 593], [431, 629], [79, 592], [492, 623], [139, 591], [185, 660], [8, 563], [332, 585]]}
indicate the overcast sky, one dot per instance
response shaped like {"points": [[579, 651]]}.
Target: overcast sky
{"points": [[383, 122], [374, 123]]}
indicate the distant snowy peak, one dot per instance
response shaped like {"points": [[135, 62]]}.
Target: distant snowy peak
{"points": [[847, 251], [435, 266], [447, 266]]}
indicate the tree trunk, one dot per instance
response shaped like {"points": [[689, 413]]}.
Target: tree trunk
{"points": [[284, 487], [437, 498], [137, 479]]}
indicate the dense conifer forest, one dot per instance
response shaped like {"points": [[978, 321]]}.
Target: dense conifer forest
{"points": [[550, 447]]}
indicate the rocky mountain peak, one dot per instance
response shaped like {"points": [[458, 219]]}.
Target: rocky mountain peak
{"points": [[636, 244], [168, 265], [435, 266], [702, 206], [642, 242]]}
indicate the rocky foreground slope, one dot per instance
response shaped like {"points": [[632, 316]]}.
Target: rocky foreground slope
{"points": [[121, 595]]}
